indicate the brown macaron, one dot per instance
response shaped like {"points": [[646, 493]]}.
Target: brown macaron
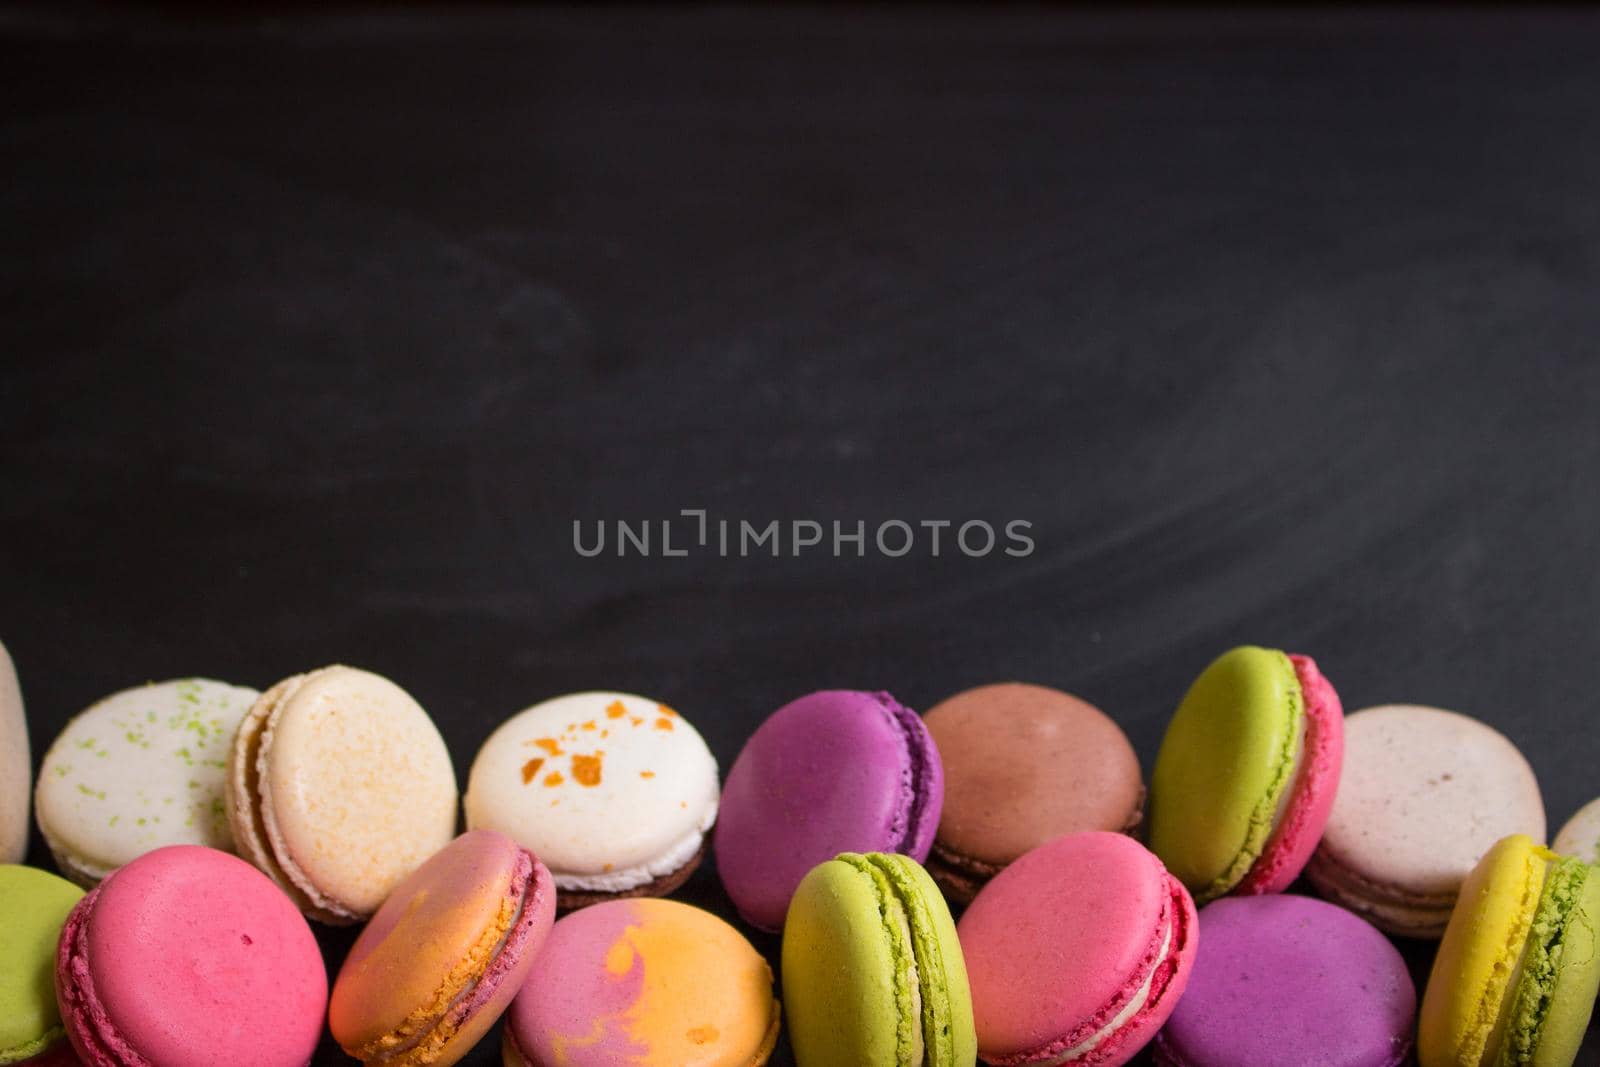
{"points": [[1024, 764]]}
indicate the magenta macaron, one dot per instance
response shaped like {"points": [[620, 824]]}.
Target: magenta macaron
{"points": [[1289, 979], [190, 957], [1077, 953], [836, 771]]}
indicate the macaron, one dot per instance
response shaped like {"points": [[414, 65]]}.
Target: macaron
{"points": [[440, 961], [1423, 796], [1246, 774], [872, 968], [647, 982], [614, 792], [1024, 764], [1078, 952], [1289, 979], [16, 765], [1517, 972], [35, 905], [339, 786], [141, 769], [1580, 836], [836, 771], [190, 957]]}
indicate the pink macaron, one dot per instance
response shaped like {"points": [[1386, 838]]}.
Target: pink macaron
{"points": [[1077, 953], [435, 968], [190, 957]]}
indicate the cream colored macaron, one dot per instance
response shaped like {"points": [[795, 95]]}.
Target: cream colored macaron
{"points": [[15, 765], [1424, 794], [339, 786], [613, 792], [137, 771]]}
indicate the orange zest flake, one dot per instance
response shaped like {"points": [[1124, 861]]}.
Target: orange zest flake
{"points": [[635, 720], [531, 769], [668, 712], [549, 744], [647, 774], [663, 724], [589, 725], [615, 710], [586, 769], [553, 778]]}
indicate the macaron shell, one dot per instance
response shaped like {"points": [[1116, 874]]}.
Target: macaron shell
{"points": [[1062, 942], [648, 982], [1311, 798], [1571, 999], [597, 784], [140, 769], [941, 966], [189, 957], [847, 973], [835, 771], [1024, 764], [1226, 760], [356, 788], [872, 968], [16, 767], [34, 904], [435, 938], [1580, 835], [1478, 956], [1336, 991], [1423, 794]]}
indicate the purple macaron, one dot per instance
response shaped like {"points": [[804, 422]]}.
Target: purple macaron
{"points": [[835, 771], [1289, 979]]}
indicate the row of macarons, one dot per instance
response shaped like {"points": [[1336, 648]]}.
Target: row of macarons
{"points": [[337, 786]]}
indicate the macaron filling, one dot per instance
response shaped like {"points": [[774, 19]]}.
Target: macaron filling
{"points": [[1523, 1014], [1132, 1008], [1274, 805], [1100, 1034], [473, 983]]}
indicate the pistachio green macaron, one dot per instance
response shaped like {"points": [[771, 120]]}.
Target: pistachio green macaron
{"points": [[1246, 776], [34, 904], [872, 969]]}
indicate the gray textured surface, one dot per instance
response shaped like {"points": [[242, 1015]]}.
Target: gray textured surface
{"points": [[318, 333]]}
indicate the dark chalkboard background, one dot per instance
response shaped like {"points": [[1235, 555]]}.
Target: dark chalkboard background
{"points": [[318, 332]]}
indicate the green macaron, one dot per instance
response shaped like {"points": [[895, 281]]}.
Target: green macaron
{"points": [[1246, 776], [872, 970], [35, 905]]}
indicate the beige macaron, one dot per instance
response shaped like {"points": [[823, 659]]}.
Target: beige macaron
{"points": [[339, 786], [16, 766], [1424, 793]]}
